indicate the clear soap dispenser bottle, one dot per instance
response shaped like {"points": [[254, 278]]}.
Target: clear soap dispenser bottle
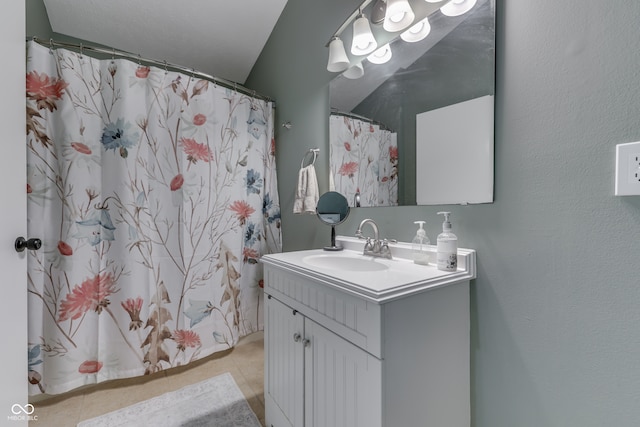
{"points": [[447, 246], [419, 245]]}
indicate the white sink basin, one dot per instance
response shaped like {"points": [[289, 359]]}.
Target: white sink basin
{"points": [[344, 262]]}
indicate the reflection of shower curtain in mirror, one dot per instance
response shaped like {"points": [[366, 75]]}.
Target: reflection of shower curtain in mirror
{"points": [[155, 195], [364, 159]]}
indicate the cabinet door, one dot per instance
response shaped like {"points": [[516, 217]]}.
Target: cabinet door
{"points": [[283, 334], [343, 383]]}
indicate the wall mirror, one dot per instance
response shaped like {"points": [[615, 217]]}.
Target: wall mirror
{"points": [[430, 108]]}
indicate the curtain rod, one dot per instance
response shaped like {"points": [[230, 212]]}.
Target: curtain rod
{"points": [[113, 52], [336, 112]]}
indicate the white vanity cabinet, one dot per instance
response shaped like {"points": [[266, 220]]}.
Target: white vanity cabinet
{"points": [[341, 353], [313, 376]]}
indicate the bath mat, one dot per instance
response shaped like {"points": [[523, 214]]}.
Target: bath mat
{"points": [[214, 402]]}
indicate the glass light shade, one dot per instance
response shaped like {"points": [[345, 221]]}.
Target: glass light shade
{"points": [[457, 7], [363, 41], [417, 31], [381, 55], [338, 60], [354, 72], [399, 15]]}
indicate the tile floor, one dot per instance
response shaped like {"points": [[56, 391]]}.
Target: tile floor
{"points": [[245, 362]]}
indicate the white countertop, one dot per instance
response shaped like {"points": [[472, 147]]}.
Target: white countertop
{"points": [[387, 280]]}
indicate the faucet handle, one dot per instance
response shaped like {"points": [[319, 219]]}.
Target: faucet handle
{"points": [[368, 246], [385, 251]]}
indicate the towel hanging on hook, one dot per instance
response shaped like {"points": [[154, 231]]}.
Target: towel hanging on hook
{"points": [[315, 152], [306, 192]]}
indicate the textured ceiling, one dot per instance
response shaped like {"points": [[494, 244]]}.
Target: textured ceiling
{"points": [[222, 38]]}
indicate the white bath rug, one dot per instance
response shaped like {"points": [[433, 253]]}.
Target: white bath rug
{"points": [[214, 402]]}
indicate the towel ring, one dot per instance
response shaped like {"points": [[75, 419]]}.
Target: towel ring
{"points": [[315, 152]]}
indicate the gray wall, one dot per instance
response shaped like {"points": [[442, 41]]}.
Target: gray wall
{"points": [[555, 321], [37, 23], [556, 317]]}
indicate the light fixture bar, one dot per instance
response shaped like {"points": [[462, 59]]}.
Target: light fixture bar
{"points": [[365, 39], [428, 7]]}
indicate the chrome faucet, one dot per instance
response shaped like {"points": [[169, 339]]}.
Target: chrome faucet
{"points": [[376, 247], [373, 225]]}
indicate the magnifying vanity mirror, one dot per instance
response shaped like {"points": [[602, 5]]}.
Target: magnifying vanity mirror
{"points": [[419, 128], [332, 209]]}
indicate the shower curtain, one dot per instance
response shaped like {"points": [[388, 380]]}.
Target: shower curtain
{"points": [[364, 160], [155, 195]]}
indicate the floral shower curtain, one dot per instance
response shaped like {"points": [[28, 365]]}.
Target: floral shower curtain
{"points": [[155, 195], [364, 160]]}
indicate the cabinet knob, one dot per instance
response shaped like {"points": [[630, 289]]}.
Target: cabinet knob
{"points": [[297, 337], [306, 342]]}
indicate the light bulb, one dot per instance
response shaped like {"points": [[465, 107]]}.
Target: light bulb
{"points": [[399, 15], [363, 41], [354, 72], [457, 7], [417, 32], [381, 55], [338, 60]]}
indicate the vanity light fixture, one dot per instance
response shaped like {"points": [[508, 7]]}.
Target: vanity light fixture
{"points": [[363, 41], [394, 16], [338, 60], [381, 55], [457, 7], [417, 31], [398, 16], [354, 72]]}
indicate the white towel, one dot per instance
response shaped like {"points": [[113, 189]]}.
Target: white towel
{"points": [[307, 192]]}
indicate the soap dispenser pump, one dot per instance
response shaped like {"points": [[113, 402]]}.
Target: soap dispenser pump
{"points": [[419, 245], [447, 246]]}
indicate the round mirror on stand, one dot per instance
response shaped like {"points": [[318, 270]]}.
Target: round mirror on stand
{"points": [[332, 209]]}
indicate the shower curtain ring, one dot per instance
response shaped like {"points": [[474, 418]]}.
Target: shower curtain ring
{"points": [[139, 61], [165, 66], [81, 52], [113, 55], [50, 46]]}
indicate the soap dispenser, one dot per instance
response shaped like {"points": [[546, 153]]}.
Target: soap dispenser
{"points": [[447, 246], [419, 245]]}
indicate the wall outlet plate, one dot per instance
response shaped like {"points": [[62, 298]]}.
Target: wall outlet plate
{"points": [[628, 169]]}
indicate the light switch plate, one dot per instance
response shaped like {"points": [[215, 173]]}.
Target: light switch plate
{"points": [[628, 169]]}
